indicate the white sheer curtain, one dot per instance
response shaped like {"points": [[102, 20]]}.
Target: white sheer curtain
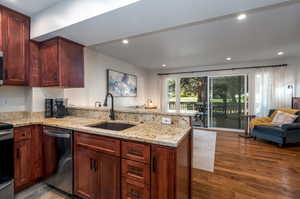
{"points": [[270, 90]]}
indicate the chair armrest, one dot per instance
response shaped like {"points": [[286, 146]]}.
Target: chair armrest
{"points": [[292, 126]]}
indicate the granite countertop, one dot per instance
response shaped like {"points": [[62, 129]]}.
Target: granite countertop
{"points": [[160, 134]]}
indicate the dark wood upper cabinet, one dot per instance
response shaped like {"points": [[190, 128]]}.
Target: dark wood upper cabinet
{"points": [[15, 46], [34, 79], [61, 63]]}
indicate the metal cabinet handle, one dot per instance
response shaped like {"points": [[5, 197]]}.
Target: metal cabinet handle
{"points": [[5, 74], [18, 153], [91, 164], [136, 153], [24, 134], [134, 194], [95, 165], [154, 164], [134, 172]]}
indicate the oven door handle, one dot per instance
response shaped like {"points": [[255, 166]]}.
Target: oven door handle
{"points": [[4, 185], [57, 134], [6, 134]]}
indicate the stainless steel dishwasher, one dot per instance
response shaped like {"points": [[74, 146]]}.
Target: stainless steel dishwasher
{"points": [[58, 153]]}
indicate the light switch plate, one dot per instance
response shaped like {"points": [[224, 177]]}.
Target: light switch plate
{"points": [[166, 120]]}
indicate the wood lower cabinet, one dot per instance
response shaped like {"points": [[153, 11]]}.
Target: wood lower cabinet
{"points": [[28, 159], [15, 45], [148, 171], [86, 179], [171, 171], [97, 174], [134, 190], [22, 157]]}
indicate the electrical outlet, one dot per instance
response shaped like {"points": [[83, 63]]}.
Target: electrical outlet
{"points": [[166, 120], [3, 101]]}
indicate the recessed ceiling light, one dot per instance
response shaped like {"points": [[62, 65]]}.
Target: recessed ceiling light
{"points": [[125, 41], [164, 65], [280, 53], [241, 17], [228, 58]]}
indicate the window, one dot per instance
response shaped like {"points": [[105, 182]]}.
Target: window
{"points": [[171, 90], [193, 93]]}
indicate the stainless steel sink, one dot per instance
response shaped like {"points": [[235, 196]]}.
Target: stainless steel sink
{"points": [[115, 126]]}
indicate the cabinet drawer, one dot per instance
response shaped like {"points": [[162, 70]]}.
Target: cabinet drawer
{"points": [[136, 151], [134, 190], [98, 143], [22, 133], [136, 171]]}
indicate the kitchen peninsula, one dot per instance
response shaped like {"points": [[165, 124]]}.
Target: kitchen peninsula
{"points": [[147, 160]]}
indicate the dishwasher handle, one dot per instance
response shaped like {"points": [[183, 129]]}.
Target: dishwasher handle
{"points": [[59, 135]]}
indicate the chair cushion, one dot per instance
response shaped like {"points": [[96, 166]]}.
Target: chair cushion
{"points": [[271, 130], [283, 118]]}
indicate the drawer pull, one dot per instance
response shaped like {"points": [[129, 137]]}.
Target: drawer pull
{"points": [[18, 153], [24, 134], [135, 194], [136, 153], [135, 172], [154, 164], [91, 164]]}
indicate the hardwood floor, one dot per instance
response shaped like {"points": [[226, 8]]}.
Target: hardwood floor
{"points": [[249, 169]]}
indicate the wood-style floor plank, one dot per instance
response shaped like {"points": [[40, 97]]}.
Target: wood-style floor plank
{"points": [[249, 169]]}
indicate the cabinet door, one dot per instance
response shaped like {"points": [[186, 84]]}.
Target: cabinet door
{"points": [[36, 147], [71, 63], [15, 29], [108, 168], [34, 64], [49, 63], [22, 157], [85, 179], [163, 173]]}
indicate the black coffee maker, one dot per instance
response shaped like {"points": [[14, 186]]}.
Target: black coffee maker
{"points": [[55, 107], [60, 108]]}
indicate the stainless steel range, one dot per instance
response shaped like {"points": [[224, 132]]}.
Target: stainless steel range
{"points": [[6, 161]]}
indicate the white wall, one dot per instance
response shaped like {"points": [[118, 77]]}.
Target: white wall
{"points": [[96, 65], [294, 64], [13, 98]]}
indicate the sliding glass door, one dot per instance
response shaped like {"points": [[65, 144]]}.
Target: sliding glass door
{"points": [[227, 101], [216, 102]]}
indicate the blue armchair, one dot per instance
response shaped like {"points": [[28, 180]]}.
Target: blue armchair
{"points": [[288, 133]]}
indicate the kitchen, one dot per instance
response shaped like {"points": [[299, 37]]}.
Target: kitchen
{"points": [[110, 100], [96, 151]]}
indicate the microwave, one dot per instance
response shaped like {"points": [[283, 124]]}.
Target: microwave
{"points": [[1, 68]]}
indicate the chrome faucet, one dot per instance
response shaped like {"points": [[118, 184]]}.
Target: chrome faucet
{"points": [[112, 112]]}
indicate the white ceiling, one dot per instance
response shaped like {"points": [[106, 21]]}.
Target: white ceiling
{"points": [[259, 37], [139, 18], [28, 7]]}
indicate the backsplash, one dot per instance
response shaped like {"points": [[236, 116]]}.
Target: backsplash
{"points": [[20, 115], [180, 121]]}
